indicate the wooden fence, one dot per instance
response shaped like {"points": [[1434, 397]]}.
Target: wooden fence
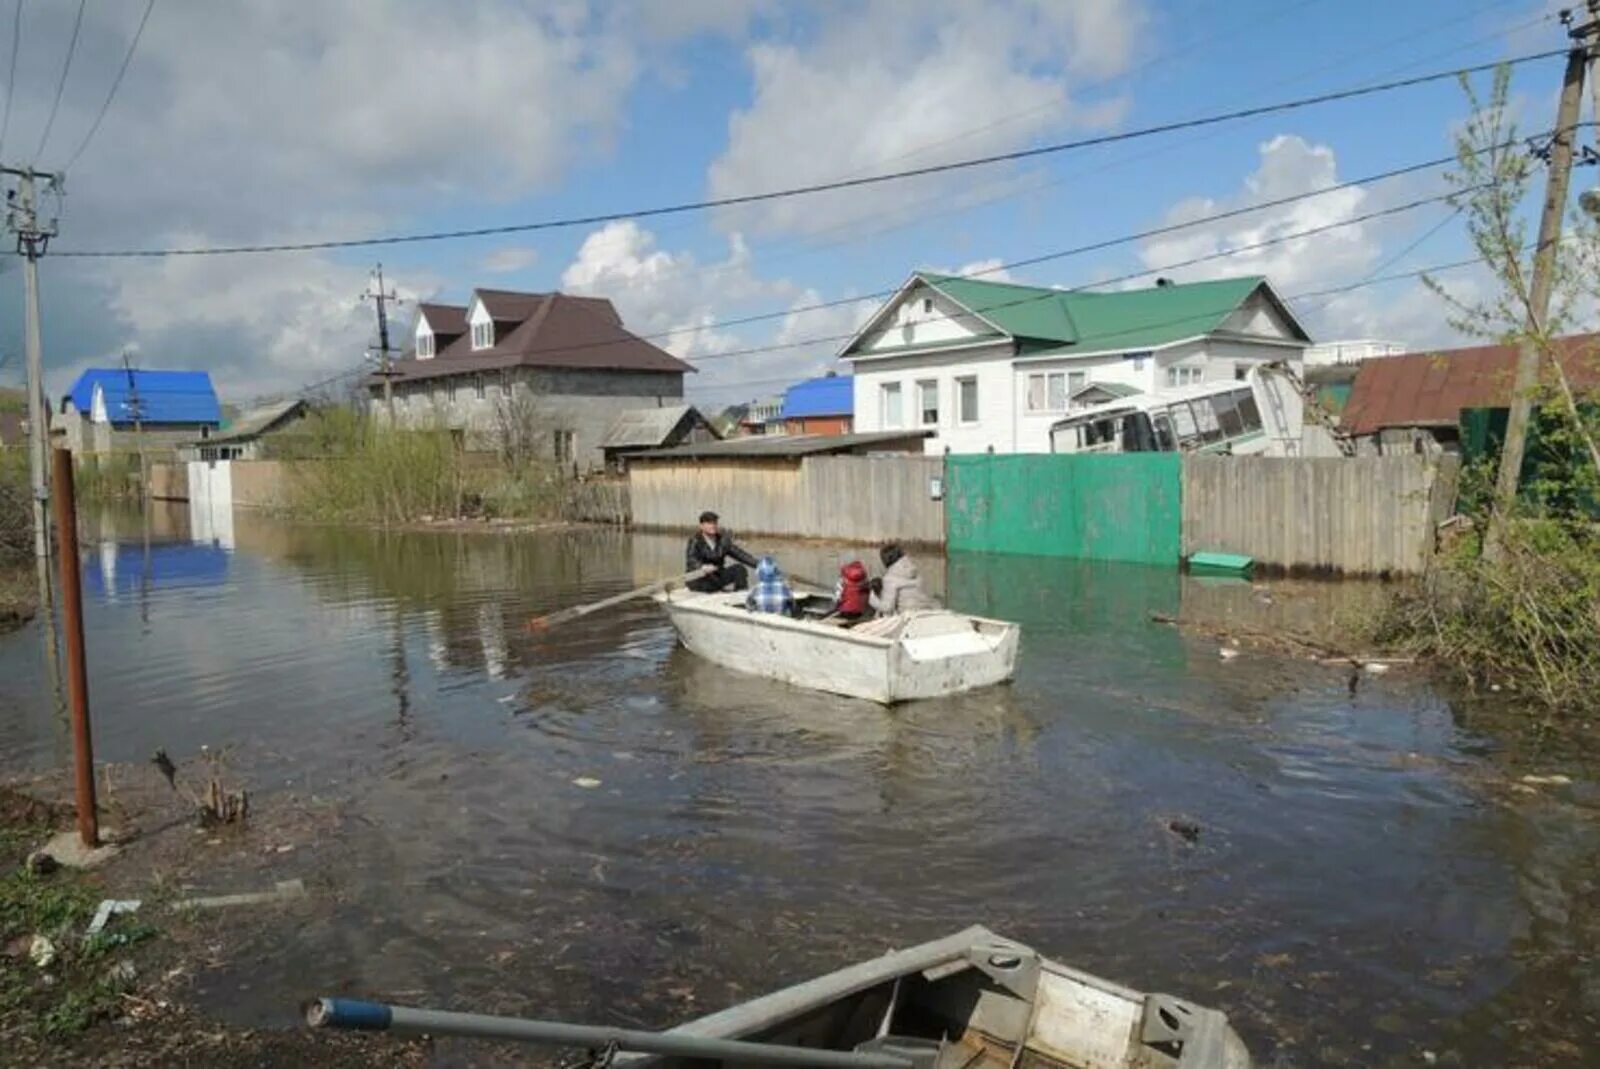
{"points": [[1347, 515], [598, 501], [846, 499]]}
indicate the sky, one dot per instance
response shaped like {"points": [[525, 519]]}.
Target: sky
{"points": [[256, 122]]}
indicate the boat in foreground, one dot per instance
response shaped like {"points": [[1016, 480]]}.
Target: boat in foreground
{"points": [[973, 1000], [926, 654]]}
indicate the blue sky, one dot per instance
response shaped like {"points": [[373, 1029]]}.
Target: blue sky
{"points": [[255, 122]]}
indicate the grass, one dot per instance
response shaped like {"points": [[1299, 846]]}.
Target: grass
{"points": [[346, 468], [86, 981]]}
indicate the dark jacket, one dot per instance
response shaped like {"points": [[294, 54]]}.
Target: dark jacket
{"points": [[699, 554]]}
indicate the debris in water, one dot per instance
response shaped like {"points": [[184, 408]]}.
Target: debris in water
{"points": [[109, 908], [588, 783], [285, 890], [42, 863], [164, 764], [1553, 780], [1187, 830], [41, 952], [1228, 653], [1377, 668]]}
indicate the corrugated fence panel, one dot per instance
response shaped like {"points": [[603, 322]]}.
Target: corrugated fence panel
{"points": [[1354, 515], [1116, 507]]}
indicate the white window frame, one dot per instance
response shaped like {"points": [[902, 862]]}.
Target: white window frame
{"points": [[962, 418], [896, 391], [424, 346], [1183, 375], [483, 335], [922, 386]]}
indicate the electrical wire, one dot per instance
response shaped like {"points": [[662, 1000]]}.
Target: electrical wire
{"points": [[61, 87], [11, 73], [821, 187], [116, 84]]}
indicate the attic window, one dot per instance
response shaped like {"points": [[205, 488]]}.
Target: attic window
{"points": [[424, 346], [483, 335], [927, 306]]}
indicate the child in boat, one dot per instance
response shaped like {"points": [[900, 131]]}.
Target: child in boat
{"points": [[852, 594], [772, 592]]}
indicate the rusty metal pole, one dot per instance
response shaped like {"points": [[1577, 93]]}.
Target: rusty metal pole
{"points": [[66, 506]]}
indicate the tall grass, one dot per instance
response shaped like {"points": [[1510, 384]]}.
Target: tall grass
{"points": [[345, 467]]}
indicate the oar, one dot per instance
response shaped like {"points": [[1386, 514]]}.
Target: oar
{"points": [[380, 1017], [544, 623]]}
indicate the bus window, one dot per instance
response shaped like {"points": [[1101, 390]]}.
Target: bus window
{"points": [[1165, 440], [1248, 410], [1136, 435], [1183, 423], [1100, 432], [1206, 418], [1227, 415]]}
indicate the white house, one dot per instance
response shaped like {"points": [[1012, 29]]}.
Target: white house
{"points": [[991, 365]]}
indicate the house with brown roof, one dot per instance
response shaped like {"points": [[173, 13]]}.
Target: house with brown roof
{"points": [[541, 374], [1414, 402]]}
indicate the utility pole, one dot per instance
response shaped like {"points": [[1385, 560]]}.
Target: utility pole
{"points": [[33, 238], [138, 426], [1534, 339], [382, 299]]}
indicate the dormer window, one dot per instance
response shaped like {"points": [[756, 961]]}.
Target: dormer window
{"points": [[483, 335], [424, 346]]}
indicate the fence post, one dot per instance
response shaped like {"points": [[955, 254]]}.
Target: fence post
{"points": [[66, 507]]}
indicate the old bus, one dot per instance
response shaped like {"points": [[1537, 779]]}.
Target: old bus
{"points": [[1258, 414]]}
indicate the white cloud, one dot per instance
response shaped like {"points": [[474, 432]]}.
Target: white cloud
{"points": [[890, 85], [511, 258], [987, 270]]}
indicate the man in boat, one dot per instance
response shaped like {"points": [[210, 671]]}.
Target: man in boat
{"points": [[900, 589], [772, 592], [708, 551]]}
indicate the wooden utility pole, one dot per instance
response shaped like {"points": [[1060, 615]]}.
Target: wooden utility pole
{"points": [[138, 426], [382, 299], [1534, 338], [66, 505]]}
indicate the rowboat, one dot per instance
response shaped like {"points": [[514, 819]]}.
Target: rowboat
{"points": [[972, 1000], [926, 654]]}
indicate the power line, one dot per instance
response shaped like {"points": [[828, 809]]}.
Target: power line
{"points": [[116, 84], [61, 87], [821, 187], [11, 74]]}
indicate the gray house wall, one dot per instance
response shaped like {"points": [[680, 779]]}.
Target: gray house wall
{"points": [[84, 436], [533, 403]]}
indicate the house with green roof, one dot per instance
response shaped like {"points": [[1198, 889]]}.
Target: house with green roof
{"points": [[991, 365]]}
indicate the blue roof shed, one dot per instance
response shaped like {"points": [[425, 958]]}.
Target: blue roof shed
{"points": [[830, 395], [163, 396]]}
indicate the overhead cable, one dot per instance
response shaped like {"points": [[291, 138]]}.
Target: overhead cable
{"points": [[61, 86], [821, 187], [116, 84]]}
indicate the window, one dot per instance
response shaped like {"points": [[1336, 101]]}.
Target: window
{"points": [[1241, 371], [450, 389], [1184, 376], [893, 412], [1137, 358], [1183, 423], [927, 306], [478, 385], [928, 402], [1048, 390], [967, 399], [1205, 417], [1166, 441], [1249, 414], [1227, 415], [565, 444], [1076, 380], [482, 335], [424, 346]]}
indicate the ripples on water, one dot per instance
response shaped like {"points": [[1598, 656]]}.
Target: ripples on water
{"points": [[1355, 896]]}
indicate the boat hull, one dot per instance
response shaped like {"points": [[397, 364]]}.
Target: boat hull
{"points": [[922, 655]]}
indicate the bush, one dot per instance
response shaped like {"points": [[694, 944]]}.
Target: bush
{"points": [[1529, 621]]}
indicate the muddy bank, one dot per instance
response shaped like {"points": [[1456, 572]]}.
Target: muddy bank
{"points": [[18, 597]]}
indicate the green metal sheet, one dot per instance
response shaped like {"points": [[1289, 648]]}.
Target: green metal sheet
{"points": [[1207, 563], [1119, 507]]}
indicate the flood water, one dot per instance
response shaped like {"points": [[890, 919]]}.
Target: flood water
{"points": [[1365, 888]]}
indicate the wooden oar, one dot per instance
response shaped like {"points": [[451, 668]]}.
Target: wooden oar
{"points": [[544, 623]]}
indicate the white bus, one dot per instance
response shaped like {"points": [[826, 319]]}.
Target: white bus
{"points": [[1258, 414]]}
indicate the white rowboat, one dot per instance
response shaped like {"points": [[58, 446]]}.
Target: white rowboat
{"points": [[926, 654], [975, 1000]]}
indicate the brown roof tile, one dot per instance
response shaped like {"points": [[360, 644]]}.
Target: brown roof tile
{"points": [[1431, 389], [552, 330], [447, 320]]}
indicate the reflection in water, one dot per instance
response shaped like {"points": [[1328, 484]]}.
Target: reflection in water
{"points": [[1359, 891]]}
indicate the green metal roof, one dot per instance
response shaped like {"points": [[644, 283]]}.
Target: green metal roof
{"points": [[1090, 321]]}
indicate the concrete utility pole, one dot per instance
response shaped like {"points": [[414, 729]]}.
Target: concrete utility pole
{"points": [[138, 426], [33, 238], [1558, 178], [382, 299]]}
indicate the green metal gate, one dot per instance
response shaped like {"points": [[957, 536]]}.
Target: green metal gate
{"points": [[1123, 507]]}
